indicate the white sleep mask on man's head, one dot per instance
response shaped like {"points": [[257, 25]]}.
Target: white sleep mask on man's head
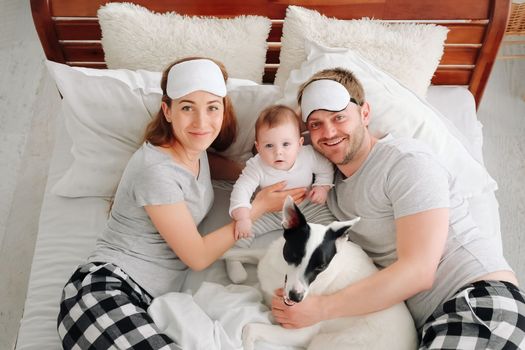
{"points": [[324, 94], [200, 74]]}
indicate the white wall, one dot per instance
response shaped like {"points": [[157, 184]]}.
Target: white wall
{"points": [[28, 100]]}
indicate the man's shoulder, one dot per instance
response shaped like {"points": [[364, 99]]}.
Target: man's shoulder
{"points": [[403, 146]]}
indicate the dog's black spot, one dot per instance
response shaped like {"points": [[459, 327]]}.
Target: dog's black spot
{"points": [[335, 234], [295, 246], [323, 254], [320, 259], [296, 234]]}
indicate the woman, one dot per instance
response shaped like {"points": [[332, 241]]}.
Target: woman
{"points": [[151, 237]]}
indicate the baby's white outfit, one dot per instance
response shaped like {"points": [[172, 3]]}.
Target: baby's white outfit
{"points": [[310, 169]]}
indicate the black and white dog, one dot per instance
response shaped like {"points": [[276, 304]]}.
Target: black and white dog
{"points": [[316, 259]]}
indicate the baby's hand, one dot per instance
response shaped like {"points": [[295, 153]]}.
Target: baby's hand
{"points": [[243, 228], [318, 194]]}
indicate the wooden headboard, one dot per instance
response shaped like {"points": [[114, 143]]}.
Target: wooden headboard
{"points": [[70, 33]]}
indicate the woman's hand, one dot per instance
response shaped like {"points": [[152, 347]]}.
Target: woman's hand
{"points": [[303, 314], [271, 198]]}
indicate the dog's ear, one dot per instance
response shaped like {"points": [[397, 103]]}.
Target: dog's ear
{"points": [[339, 228], [292, 216]]}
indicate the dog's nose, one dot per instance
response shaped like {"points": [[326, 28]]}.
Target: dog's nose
{"points": [[296, 296]]}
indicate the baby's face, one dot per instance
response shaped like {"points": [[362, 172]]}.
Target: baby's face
{"points": [[278, 146]]}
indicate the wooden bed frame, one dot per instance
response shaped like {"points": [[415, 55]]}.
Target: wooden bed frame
{"points": [[70, 33]]}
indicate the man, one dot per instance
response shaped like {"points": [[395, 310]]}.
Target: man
{"points": [[460, 292]]}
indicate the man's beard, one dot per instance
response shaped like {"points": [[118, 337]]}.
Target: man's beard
{"points": [[355, 144], [348, 157]]}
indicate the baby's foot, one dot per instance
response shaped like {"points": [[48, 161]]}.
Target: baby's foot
{"points": [[236, 271]]}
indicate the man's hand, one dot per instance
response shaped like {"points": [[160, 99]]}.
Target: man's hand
{"points": [[303, 314]]}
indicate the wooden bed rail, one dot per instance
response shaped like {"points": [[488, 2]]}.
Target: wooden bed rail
{"points": [[70, 33]]}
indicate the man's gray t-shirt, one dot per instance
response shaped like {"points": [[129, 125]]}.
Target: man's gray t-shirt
{"points": [[402, 177], [130, 240]]}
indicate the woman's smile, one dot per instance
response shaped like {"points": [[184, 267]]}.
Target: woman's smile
{"points": [[200, 133]]}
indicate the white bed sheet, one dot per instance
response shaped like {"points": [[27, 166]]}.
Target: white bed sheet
{"points": [[68, 227]]}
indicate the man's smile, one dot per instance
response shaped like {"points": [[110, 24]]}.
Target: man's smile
{"points": [[333, 141]]}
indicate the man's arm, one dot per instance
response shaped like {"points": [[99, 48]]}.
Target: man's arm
{"points": [[421, 240]]}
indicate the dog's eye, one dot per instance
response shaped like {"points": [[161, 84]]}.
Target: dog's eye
{"points": [[320, 268]]}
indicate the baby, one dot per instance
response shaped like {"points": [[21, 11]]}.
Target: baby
{"points": [[281, 157]]}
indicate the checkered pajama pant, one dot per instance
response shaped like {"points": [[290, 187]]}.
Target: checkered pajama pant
{"points": [[103, 308], [482, 315]]}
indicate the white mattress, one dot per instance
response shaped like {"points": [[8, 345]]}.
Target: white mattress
{"points": [[68, 227]]}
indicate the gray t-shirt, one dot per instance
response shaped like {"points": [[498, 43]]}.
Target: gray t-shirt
{"points": [[402, 177], [130, 240]]}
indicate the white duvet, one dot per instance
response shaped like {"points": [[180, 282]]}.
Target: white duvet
{"points": [[213, 318]]}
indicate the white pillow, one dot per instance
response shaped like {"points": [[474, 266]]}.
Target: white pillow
{"points": [[397, 110], [410, 52], [135, 38], [106, 112], [457, 106]]}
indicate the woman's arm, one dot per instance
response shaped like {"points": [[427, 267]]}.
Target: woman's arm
{"points": [[222, 168], [175, 224], [420, 243]]}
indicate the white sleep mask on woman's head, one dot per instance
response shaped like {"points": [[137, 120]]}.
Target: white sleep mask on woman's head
{"points": [[324, 94], [189, 76]]}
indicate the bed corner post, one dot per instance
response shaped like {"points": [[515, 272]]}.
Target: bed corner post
{"points": [[41, 11], [498, 18]]}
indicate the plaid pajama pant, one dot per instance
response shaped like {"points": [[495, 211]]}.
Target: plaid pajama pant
{"points": [[482, 315], [103, 308]]}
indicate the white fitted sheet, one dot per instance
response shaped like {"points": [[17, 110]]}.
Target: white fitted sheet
{"points": [[68, 227]]}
